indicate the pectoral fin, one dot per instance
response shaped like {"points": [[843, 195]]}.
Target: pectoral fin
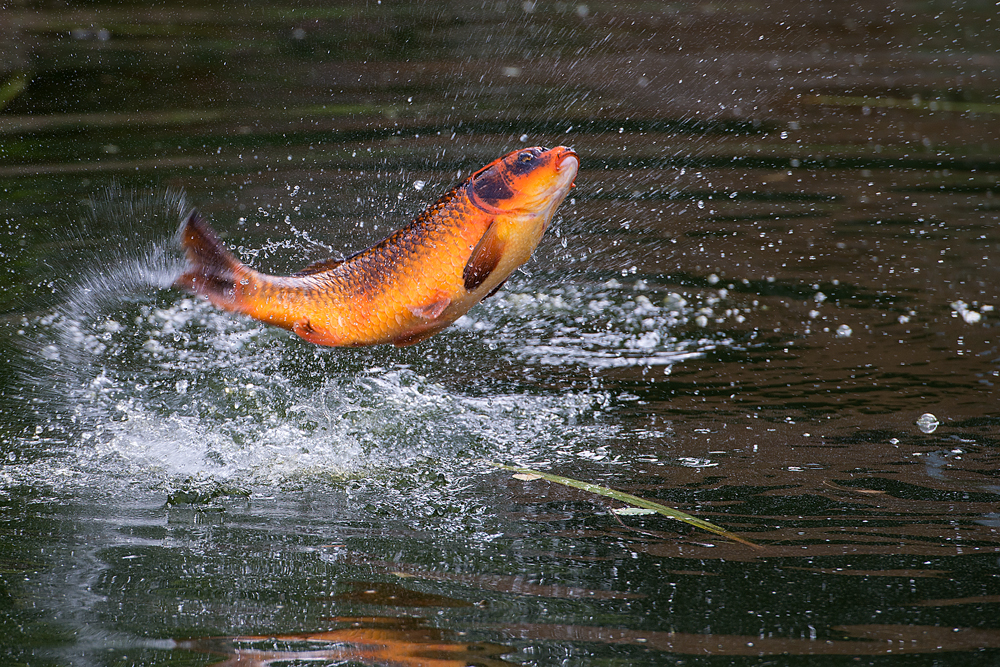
{"points": [[496, 289], [430, 311], [484, 259]]}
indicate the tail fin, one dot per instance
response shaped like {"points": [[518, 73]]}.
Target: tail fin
{"points": [[212, 271]]}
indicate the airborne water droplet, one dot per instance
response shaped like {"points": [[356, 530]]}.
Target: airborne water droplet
{"points": [[928, 423]]}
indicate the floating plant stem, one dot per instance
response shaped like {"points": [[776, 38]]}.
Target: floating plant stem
{"points": [[628, 499]]}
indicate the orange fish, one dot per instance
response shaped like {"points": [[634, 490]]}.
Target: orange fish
{"points": [[412, 284]]}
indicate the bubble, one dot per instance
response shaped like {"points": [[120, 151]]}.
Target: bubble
{"points": [[928, 423]]}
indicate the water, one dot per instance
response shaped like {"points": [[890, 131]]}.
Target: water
{"points": [[770, 301]]}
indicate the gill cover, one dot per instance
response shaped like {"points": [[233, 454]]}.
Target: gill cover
{"points": [[492, 185]]}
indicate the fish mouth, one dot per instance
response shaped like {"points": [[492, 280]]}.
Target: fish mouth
{"points": [[563, 154], [569, 162], [567, 167]]}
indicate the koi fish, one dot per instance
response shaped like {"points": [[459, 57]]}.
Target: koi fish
{"points": [[411, 285]]}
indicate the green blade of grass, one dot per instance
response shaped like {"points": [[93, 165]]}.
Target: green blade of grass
{"points": [[629, 499]]}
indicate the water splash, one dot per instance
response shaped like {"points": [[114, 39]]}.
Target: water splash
{"points": [[134, 381]]}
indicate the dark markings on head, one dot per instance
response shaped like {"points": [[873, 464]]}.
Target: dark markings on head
{"points": [[525, 161], [491, 187]]}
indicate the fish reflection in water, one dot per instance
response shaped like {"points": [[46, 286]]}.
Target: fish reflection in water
{"points": [[407, 642], [371, 640]]}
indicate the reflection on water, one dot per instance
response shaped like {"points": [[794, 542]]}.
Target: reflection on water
{"points": [[406, 642], [394, 641], [853, 640], [779, 259]]}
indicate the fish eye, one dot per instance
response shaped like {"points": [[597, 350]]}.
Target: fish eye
{"points": [[525, 161]]}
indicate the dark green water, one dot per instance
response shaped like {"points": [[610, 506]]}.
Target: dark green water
{"points": [[780, 253]]}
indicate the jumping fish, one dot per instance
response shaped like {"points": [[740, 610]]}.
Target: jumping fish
{"points": [[411, 285]]}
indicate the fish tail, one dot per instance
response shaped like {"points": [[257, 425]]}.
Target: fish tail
{"points": [[212, 270]]}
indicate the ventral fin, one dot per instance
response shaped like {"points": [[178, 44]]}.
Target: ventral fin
{"points": [[431, 311], [484, 259], [303, 329], [320, 266], [413, 338]]}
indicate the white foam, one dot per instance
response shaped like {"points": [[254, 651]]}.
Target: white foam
{"points": [[132, 381]]}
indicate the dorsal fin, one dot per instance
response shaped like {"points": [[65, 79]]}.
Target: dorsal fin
{"points": [[484, 259], [428, 213], [321, 266], [426, 216]]}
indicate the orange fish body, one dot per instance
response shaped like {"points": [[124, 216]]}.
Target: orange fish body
{"points": [[412, 284]]}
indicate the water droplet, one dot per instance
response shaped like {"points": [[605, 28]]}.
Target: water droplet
{"points": [[844, 331], [633, 511], [928, 423]]}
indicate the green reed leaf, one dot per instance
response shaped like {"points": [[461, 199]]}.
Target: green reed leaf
{"points": [[629, 499]]}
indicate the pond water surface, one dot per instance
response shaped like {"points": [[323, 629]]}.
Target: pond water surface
{"points": [[772, 301]]}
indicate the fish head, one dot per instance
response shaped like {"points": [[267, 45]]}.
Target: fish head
{"points": [[526, 185]]}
